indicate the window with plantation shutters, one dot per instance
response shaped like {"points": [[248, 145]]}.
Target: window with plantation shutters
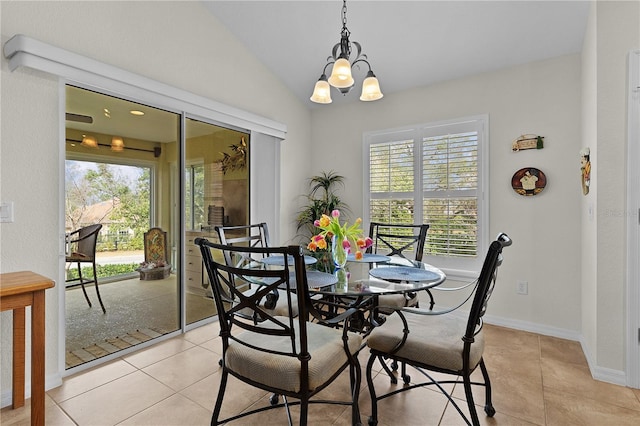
{"points": [[434, 174]]}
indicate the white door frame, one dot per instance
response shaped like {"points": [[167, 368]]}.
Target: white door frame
{"points": [[633, 223]]}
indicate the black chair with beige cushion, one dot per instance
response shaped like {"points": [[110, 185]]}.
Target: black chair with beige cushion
{"points": [[82, 249], [440, 341], [256, 235], [286, 355], [395, 239]]}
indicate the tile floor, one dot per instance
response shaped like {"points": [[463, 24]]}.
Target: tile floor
{"points": [[537, 380]]}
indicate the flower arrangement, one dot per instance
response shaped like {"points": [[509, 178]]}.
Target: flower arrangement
{"points": [[344, 235]]}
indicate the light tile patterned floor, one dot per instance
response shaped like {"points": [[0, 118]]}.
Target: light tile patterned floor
{"points": [[537, 380]]}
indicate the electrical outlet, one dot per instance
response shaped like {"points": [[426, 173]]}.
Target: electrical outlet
{"points": [[6, 211], [523, 287]]}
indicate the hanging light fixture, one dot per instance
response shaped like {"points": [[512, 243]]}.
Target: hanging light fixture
{"points": [[117, 144], [89, 141], [341, 77]]}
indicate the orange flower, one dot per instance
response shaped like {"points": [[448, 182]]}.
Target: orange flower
{"points": [[359, 255], [325, 220]]}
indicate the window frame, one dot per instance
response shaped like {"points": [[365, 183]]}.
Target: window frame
{"points": [[461, 268]]}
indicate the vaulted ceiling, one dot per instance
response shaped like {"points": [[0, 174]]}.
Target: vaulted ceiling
{"points": [[408, 43]]}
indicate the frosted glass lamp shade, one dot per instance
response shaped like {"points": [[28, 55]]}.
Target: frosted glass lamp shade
{"points": [[322, 91], [370, 88], [341, 74]]}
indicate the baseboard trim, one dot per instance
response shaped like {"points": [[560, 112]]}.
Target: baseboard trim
{"points": [[533, 328], [602, 374], [50, 381]]}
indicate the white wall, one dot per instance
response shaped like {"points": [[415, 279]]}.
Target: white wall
{"points": [[618, 32], [589, 203], [541, 98], [178, 43]]}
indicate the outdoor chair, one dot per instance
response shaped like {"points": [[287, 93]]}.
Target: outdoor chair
{"points": [[287, 355], [82, 249], [441, 341], [256, 235]]}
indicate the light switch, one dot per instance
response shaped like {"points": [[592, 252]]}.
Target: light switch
{"points": [[6, 212]]}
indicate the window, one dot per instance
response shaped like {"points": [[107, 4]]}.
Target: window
{"points": [[435, 174]]}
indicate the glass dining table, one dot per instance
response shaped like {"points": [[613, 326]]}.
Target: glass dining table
{"points": [[361, 283]]}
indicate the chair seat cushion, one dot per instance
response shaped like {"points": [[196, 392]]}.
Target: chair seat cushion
{"points": [[396, 301], [284, 372], [433, 340]]}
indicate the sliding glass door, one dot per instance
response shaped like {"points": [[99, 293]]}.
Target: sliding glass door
{"points": [[120, 158], [152, 193], [216, 193]]}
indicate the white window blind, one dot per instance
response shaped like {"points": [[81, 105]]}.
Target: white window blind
{"points": [[434, 174]]}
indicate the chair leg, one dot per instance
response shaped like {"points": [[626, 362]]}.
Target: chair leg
{"points": [[405, 377], [95, 281], [84, 290], [373, 420], [355, 374], [469, 395], [431, 301], [392, 376], [488, 405], [221, 390], [304, 410]]}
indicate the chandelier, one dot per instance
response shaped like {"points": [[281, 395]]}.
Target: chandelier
{"points": [[341, 77]]}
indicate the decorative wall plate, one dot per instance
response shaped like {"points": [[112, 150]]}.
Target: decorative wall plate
{"points": [[528, 181]]}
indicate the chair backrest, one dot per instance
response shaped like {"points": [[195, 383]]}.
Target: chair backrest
{"points": [[256, 235], [233, 303], [155, 246], [485, 285], [86, 241], [398, 238]]}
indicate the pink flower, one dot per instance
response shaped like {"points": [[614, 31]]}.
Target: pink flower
{"points": [[316, 222], [335, 213], [368, 242]]}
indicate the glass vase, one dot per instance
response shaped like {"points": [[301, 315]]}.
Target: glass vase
{"points": [[338, 252]]}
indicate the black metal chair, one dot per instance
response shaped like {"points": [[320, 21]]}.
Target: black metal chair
{"points": [[287, 355], [256, 235], [395, 239], [83, 250], [440, 341]]}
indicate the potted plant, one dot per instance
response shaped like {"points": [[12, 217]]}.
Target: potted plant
{"points": [[322, 199]]}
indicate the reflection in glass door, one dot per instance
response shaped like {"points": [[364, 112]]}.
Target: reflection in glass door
{"points": [[216, 192]]}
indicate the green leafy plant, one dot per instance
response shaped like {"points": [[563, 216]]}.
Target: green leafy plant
{"points": [[322, 199]]}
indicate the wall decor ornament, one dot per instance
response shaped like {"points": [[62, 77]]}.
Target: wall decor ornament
{"points": [[528, 181], [237, 160], [527, 142], [585, 168]]}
